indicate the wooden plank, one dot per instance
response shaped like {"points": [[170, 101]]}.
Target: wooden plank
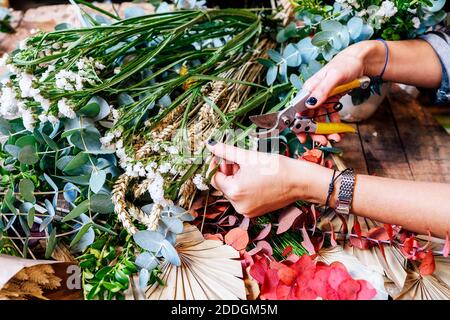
{"points": [[353, 154], [382, 146], [426, 143], [6, 39]]}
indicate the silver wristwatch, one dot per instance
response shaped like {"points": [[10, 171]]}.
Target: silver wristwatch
{"points": [[345, 195]]}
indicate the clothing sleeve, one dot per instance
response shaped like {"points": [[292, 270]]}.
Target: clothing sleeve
{"points": [[440, 41]]}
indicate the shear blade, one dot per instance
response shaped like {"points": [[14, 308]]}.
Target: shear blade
{"points": [[266, 121]]}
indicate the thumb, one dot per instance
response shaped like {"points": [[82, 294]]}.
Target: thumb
{"points": [[221, 182], [226, 152]]}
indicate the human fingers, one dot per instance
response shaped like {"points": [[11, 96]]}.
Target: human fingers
{"points": [[227, 152], [319, 94]]}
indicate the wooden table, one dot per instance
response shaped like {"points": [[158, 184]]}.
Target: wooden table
{"points": [[402, 140]]}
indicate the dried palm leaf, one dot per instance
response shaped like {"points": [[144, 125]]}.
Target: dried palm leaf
{"points": [[419, 287], [207, 271]]}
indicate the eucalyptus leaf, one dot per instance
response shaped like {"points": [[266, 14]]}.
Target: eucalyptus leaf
{"points": [[144, 277], [9, 201], [12, 150], [101, 203], [292, 55], [84, 238], [149, 240], [295, 81], [30, 217], [76, 162], [83, 207], [355, 26], [105, 108], [51, 244], [70, 192], [52, 144], [26, 189], [275, 56], [322, 38], [271, 75], [97, 180], [90, 110], [25, 141], [146, 260], [169, 253], [173, 224], [27, 155]]}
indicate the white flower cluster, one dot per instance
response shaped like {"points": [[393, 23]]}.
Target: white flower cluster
{"points": [[199, 182], [70, 80], [14, 95], [65, 109], [387, 9]]}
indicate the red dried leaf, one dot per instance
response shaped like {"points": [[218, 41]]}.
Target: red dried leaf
{"points": [[367, 292], [265, 247], [262, 246], [259, 269], [333, 236], [318, 241], [427, 266], [362, 244], [246, 260], [378, 233], [313, 155], [264, 232], [217, 236], [287, 251], [306, 243], [357, 228], [269, 286], [291, 259], [314, 216], [408, 246], [231, 221], [304, 264], [237, 238], [287, 218], [245, 223], [212, 216], [254, 251], [389, 230], [446, 249], [287, 275]]}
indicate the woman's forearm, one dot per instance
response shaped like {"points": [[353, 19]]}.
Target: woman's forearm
{"points": [[411, 62], [416, 206]]}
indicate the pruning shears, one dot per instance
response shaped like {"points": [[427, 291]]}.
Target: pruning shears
{"points": [[291, 117]]}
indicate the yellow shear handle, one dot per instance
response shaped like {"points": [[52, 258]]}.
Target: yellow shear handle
{"points": [[362, 82], [329, 128]]}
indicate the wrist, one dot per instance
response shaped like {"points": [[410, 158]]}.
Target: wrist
{"points": [[311, 183], [373, 57]]}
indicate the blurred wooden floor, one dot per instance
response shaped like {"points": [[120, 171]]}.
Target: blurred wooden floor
{"points": [[402, 140]]}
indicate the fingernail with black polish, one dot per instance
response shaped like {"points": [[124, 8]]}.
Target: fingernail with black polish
{"points": [[212, 142], [311, 101]]}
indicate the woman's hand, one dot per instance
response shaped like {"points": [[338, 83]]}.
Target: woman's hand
{"points": [[257, 183], [346, 66]]}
